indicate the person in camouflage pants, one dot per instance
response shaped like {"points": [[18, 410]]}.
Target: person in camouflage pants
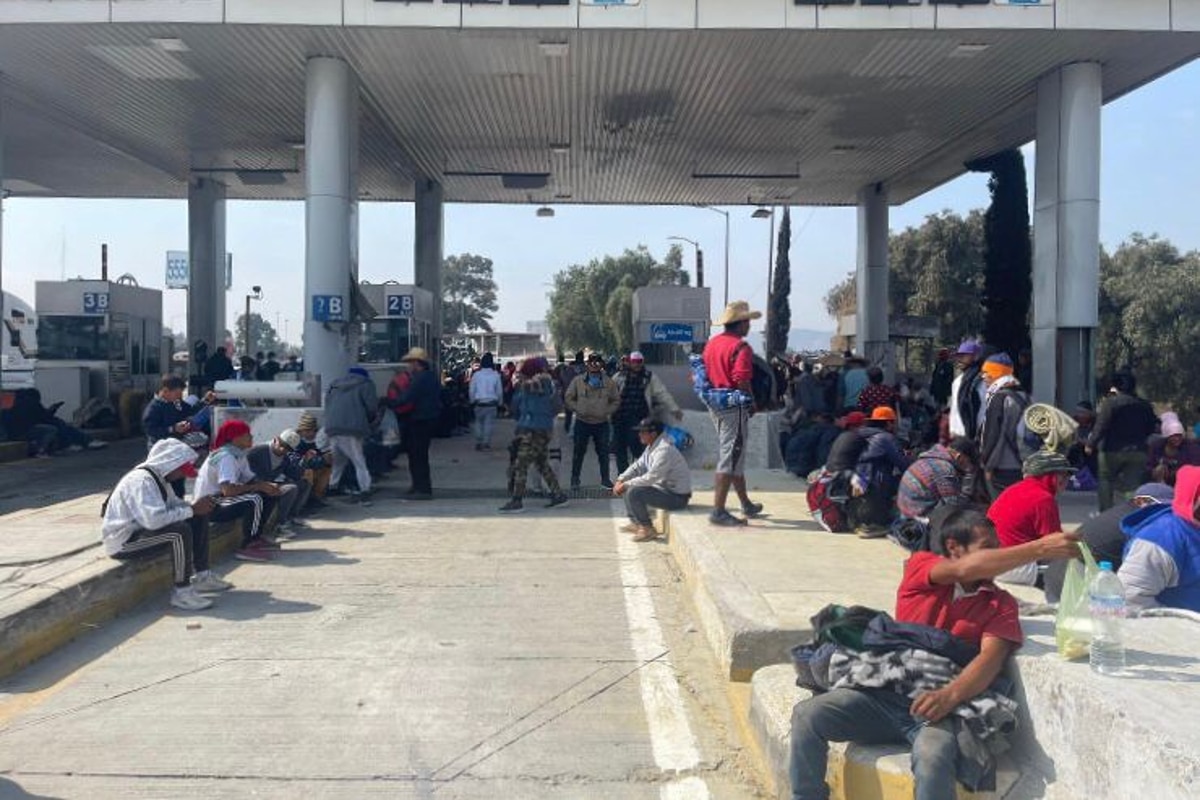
{"points": [[530, 449], [535, 406]]}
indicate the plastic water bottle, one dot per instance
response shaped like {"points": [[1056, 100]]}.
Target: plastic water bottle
{"points": [[1106, 601]]}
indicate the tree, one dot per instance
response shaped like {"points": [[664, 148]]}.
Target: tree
{"points": [[263, 337], [781, 289], [843, 297], [591, 305], [1008, 253], [468, 294]]}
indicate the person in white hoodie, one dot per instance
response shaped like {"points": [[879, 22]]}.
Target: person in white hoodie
{"points": [[143, 515]]}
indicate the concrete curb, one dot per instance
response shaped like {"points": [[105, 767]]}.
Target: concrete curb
{"points": [[52, 614], [740, 626]]}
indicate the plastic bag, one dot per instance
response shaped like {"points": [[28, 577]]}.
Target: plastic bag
{"points": [[1073, 625]]}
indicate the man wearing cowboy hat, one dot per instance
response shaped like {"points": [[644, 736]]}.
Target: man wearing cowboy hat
{"points": [[424, 397], [728, 359]]}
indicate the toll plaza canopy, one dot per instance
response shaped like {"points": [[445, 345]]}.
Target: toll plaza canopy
{"points": [[721, 102]]}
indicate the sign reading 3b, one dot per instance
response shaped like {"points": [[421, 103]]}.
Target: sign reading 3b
{"points": [[328, 308]]}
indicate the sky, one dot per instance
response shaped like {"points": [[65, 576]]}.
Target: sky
{"points": [[1148, 171]]}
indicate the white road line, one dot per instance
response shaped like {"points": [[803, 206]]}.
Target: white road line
{"points": [[671, 737]]}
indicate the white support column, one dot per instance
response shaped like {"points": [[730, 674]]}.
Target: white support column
{"points": [[206, 265], [331, 217], [871, 319], [1066, 253], [427, 252]]}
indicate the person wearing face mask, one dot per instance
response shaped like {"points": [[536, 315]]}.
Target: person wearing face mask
{"points": [[643, 394], [592, 397], [1028, 510], [237, 494]]}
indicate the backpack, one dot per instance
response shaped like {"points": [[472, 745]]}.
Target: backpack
{"points": [[825, 510], [1027, 441], [162, 489], [719, 399]]}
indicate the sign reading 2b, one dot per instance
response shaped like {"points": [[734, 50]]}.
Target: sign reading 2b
{"points": [[399, 305], [95, 302], [328, 308]]}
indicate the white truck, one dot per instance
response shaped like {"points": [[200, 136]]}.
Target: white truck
{"points": [[18, 358]]}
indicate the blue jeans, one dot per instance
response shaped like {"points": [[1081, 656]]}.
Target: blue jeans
{"points": [[485, 421], [868, 716], [640, 499]]}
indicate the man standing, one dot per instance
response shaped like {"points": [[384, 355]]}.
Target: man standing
{"points": [[424, 397], [350, 406], [1004, 408], [642, 395], [592, 397], [486, 393], [967, 392], [942, 378], [1123, 426], [728, 360], [660, 478]]}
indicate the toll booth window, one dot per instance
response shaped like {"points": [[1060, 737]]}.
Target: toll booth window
{"points": [[386, 341], [72, 338]]}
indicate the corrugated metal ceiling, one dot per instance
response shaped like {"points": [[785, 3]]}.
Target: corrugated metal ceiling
{"points": [[623, 117]]}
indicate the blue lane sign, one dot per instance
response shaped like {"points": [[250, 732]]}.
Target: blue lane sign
{"points": [[399, 305], [671, 332], [95, 302], [328, 308]]}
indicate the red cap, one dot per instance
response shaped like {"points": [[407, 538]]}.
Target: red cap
{"points": [[230, 430], [854, 419], [189, 470]]}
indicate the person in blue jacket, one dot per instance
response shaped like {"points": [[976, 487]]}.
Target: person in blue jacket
{"points": [[535, 405], [1162, 557]]}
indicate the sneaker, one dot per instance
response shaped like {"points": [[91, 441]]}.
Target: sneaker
{"points": [[284, 532], [74, 448], [514, 506], [96, 444], [606, 483], [265, 542], [630, 527], [208, 582], [297, 523], [557, 500], [723, 518], [752, 509], [871, 531], [646, 533], [185, 597], [575, 486], [256, 554]]}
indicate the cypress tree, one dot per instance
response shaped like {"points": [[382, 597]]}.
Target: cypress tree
{"points": [[781, 289]]}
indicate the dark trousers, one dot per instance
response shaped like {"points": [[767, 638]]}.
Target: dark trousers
{"points": [[597, 434], [417, 438], [188, 543], [1120, 474], [252, 510], [640, 499], [626, 444]]}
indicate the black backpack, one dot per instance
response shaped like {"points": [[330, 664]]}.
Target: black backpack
{"points": [[162, 489]]}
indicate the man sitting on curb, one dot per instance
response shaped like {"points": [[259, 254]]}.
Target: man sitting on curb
{"points": [[952, 590], [142, 516], [271, 462], [660, 478], [942, 475], [1028, 509], [1162, 560], [227, 478]]}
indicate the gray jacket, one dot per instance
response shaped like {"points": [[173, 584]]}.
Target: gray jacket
{"points": [[350, 406]]}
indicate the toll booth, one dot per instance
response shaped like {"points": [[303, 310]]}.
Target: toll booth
{"points": [[668, 320], [102, 336], [403, 320]]}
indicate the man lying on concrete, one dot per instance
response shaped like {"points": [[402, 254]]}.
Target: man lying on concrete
{"points": [[1162, 560], [950, 589], [270, 462], [142, 516], [658, 479]]}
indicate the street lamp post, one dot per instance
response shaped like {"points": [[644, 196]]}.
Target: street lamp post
{"points": [[255, 295], [764, 213], [726, 215], [699, 257]]}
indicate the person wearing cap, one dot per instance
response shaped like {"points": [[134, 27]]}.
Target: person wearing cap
{"points": [[1162, 559], [941, 476], [729, 362], [877, 470], [314, 457], [660, 478], [642, 395], [534, 408], [1104, 535], [1028, 510], [1004, 408], [1171, 451], [593, 397], [1124, 425], [272, 462], [967, 392], [142, 517], [226, 477], [422, 401], [485, 393], [351, 405]]}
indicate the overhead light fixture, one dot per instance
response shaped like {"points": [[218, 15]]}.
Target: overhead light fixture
{"points": [[171, 45], [295, 144], [560, 149], [843, 149], [968, 49], [545, 211], [762, 213], [555, 49]]}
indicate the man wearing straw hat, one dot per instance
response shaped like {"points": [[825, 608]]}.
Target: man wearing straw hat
{"points": [[728, 360]]}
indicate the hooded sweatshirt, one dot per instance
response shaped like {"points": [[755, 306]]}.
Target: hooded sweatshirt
{"points": [[142, 501], [349, 406], [1162, 558]]}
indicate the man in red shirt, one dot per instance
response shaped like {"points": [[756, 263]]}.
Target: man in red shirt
{"points": [[728, 359], [1028, 510], [951, 590]]}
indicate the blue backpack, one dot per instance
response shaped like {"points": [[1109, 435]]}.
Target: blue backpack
{"points": [[716, 399]]}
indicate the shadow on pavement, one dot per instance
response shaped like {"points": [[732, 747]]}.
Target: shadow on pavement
{"points": [[10, 790], [38, 482], [296, 555], [244, 604], [329, 534]]}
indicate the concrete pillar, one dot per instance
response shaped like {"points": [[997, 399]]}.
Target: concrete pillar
{"points": [[427, 252], [1066, 243], [871, 319], [206, 265], [331, 217]]}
